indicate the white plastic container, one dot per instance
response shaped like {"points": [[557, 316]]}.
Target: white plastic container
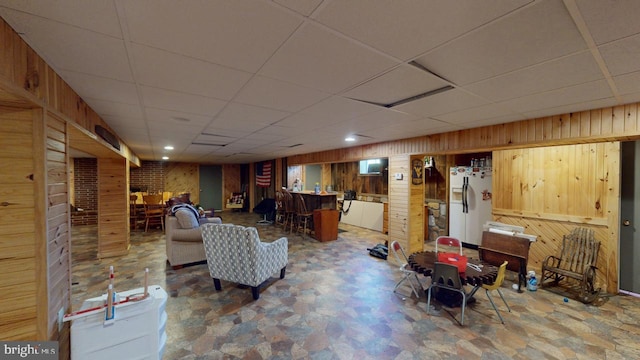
{"points": [[137, 331]]}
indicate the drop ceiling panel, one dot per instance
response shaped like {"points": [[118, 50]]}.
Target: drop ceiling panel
{"points": [[115, 109], [406, 29], [164, 70], [237, 34], [573, 95], [448, 101], [70, 48], [628, 83], [278, 95], [101, 88], [304, 7], [179, 101], [609, 20], [335, 109], [400, 83], [554, 74], [622, 56], [373, 121], [317, 58], [543, 32], [586, 105], [478, 113], [97, 16], [235, 113]]}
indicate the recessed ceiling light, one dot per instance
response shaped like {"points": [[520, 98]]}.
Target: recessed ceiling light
{"points": [[165, 158], [349, 138], [168, 147]]}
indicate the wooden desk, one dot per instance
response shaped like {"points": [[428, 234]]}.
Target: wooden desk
{"points": [[497, 248]]}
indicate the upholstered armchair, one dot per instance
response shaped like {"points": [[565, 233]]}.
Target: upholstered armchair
{"points": [[183, 237], [236, 254]]}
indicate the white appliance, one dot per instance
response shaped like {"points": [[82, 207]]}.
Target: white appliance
{"points": [[469, 202], [137, 331]]}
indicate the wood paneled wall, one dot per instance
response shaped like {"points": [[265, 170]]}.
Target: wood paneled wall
{"points": [[399, 201], [21, 242], [58, 238], [346, 176], [551, 190], [182, 178], [231, 181], [113, 222]]}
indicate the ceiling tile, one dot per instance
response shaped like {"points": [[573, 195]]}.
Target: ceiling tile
{"points": [[236, 112], [115, 109], [622, 56], [628, 83], [96, 15], [304, 7], [448, 101], [400, 83], [237, 34], [554, 74], [179, 101], [610, 20], [101, 88], [478, 113], [406, 29], [543, 32], [164, 70], [573, 95], [317, 58], [278, 95], [66, 47]]}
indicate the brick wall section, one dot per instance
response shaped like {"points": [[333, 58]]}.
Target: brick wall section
{"points": [[85, 191], [148, 177]]}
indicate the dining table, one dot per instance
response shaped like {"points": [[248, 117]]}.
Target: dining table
{"points": [[476, 273]]}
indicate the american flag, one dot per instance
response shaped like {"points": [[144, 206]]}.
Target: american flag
{"points": [[263, 176]]}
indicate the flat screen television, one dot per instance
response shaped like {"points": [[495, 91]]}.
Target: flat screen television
{"points": [[373, 166]]}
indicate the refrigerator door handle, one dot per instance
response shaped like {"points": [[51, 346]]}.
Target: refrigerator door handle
{"points": [[465, 193]]}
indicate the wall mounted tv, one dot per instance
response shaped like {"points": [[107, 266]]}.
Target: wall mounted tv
{"points": [[373, 166]]}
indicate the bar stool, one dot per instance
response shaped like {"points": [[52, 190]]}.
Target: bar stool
{"points": [[303, 216]]}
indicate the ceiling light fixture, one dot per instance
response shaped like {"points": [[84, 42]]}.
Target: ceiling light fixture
{"points": [[165, 158], [168, 147], [349, 138]]}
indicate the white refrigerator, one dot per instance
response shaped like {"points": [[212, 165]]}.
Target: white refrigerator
{"points": [[469, 202]]}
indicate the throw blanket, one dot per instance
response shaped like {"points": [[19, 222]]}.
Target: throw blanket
{"points": [[175, 208]]}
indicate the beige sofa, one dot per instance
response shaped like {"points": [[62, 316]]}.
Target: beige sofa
{"points": [[184, 246]]}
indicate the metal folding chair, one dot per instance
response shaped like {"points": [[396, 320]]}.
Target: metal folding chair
{"points": [[405, 269]]}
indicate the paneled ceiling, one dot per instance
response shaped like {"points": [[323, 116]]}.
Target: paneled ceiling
{"points": [[239, 81]]}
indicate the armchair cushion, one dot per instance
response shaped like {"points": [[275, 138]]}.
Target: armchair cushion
{"points": [[186, 219], [236, 254]]}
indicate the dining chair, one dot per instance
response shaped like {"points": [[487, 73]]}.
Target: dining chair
{"points": [[446, 277], [450, 242], [153, 211], [134, 214], [496, 286], [405, 269], [304, 217]]}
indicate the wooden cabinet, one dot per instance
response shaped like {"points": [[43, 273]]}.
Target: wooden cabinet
{"points": [[385, 218]]}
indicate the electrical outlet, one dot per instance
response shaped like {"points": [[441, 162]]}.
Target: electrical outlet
{"points": [[60, 319]]}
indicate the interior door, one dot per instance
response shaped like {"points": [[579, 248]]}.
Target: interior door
{"points": [[211, 187], [630, 216]]}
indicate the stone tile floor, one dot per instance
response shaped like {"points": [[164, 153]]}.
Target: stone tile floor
{"points": [[336, 302]]}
